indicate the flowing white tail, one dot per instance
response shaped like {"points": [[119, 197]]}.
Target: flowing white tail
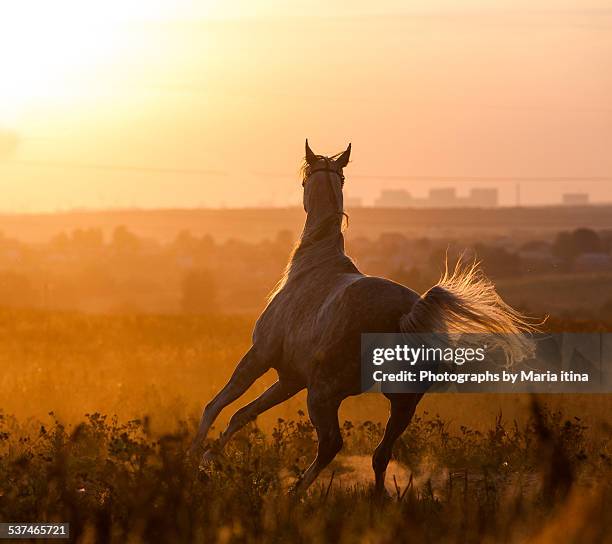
{"points": [[464, 301]]}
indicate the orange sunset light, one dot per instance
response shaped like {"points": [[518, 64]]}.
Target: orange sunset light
{"points": [[51, 51], [168, 103]]}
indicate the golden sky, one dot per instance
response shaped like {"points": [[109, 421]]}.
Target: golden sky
{"points": [[189, 103]]}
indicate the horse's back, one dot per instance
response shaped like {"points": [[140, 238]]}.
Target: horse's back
{"points": [[326, 330], [376, 304], [368, 305]]}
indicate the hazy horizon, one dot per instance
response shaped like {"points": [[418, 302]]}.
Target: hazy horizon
{"points": [[207, 104]]}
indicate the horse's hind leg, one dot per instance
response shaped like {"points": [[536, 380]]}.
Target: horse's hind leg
{"points": [[248, 370], [402, 410], [275, 394], [323, 413]]}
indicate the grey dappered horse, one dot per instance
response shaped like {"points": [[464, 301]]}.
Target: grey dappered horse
{"points": [[311, 328]]}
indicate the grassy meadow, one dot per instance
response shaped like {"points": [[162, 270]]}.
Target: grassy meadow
{"points": [[97, 412], [113, 338]]}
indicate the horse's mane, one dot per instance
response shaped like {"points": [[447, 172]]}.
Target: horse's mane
{"points": [[318, 252], [315, 259]]}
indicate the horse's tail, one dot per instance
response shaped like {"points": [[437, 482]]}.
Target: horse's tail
{"points": [[465, 301]]}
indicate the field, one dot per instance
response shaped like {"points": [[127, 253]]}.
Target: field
{"points": [[98, 411], [116, 328]]}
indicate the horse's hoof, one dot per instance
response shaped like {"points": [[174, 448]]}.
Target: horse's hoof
{"points": [[295, 495], [208, 459], [296, 491], [292, 491], [381, 494]]}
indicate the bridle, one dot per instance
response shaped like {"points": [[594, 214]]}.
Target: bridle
{"points": [[327, 169], [332, 194]]}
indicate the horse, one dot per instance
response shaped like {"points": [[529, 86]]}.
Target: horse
{"points": [[310, 331]]}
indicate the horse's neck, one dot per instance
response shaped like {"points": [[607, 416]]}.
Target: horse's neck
{"points": [[321, 236], [320, 250], [319, 257], [321, 225]]}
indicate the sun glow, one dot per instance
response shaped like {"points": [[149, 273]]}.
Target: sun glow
{"points": [[51, 51]]}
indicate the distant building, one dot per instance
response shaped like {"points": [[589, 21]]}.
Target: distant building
{"points": [[575, 199], [443, 197]]}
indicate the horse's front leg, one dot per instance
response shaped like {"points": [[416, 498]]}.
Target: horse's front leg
{"points": [[279, 392], [251, 367]]}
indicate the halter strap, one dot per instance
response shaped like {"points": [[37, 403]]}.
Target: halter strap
{"points": [[327, 169], [332, 196]]}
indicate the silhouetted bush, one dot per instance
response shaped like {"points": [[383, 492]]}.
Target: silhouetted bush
{"points": [[568, 245]]}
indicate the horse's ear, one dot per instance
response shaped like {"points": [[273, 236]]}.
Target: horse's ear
{"points": [[311, 158], [343, 159]]}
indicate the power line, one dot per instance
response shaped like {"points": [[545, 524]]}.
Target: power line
{"points": [[484, 178], [212, 172], [514, 179]]}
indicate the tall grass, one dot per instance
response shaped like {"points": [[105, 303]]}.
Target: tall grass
{"points": [[544, 481]]}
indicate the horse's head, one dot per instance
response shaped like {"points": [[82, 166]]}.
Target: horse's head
{"points": [[322, 179]]}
